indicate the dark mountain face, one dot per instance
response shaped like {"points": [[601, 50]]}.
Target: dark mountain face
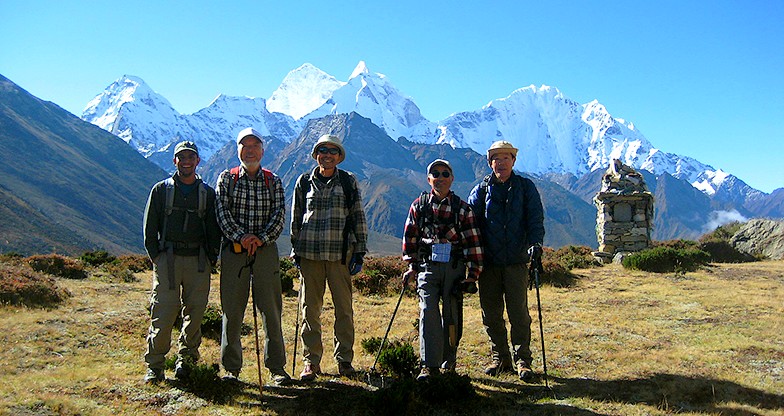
{"points": [[66, 185]]}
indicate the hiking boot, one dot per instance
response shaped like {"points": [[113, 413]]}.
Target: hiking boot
{"points": [[280, 377], [426, 372], [181, 371], [231, 375], [345, 369], [310, 372], [498, 366], [450, 367], [524, 371], [154, 375]]}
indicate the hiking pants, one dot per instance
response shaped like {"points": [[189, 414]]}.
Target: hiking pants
{"points": [[496, 285], [434, 286], [267, 290], [316, 274], [188, 299]]}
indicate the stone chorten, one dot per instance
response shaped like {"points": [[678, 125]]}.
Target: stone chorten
{"points": [[624, 220]]}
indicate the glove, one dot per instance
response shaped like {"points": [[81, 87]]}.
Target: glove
{"points": [[355, 264], [535, 252], [296, 261]]}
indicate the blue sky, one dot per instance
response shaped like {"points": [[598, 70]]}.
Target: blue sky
{"points": [[697, 78]]}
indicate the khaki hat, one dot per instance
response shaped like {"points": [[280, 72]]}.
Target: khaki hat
{"points": [[440, 162], [186, 145], [501, 146], [250, 131], [333, 140]]}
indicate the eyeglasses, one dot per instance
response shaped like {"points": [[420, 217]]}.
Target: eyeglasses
{"points": [[331, 150], [436, 174]]}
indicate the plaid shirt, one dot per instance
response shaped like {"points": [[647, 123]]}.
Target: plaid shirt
{"points": [[254, 208], [438, 228], [318, 217]]}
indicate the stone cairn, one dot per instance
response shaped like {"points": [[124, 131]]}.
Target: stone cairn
{"points": [[624, 219]]}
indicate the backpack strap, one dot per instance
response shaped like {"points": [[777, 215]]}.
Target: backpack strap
{"points": [[168, 207]]}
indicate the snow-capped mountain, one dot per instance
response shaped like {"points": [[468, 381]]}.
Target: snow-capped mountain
{"points": [[558, 135], [373, 96], [302, 91], [554, 133], [130, 109]]}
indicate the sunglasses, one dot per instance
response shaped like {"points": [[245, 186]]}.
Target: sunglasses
{"points": [[331, 150], [436, 174]]}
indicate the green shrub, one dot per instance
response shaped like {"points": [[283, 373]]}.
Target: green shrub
{"points": [[723, 232], [679, 244], [119, 273], [397, 359], [19, 285], [724, 252], [665, 259], [573, 257], [96, 258], [212, 323], [57, 265], [136, 263], [380, 276]]}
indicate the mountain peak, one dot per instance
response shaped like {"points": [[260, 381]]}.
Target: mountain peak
{"points": [[302, 91], [361, 69]]}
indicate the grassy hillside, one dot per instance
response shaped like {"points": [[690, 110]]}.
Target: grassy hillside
{"points": [[618, 343]]}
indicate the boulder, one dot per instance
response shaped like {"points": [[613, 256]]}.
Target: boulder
{"points": [[761, 237]]}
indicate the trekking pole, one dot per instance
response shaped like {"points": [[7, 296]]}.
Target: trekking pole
{"points": [[252, 259], [296, 330], [537, 265], [381, 347]]}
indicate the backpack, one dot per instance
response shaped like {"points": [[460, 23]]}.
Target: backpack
{"points": [[169, 207], [351, 196]]}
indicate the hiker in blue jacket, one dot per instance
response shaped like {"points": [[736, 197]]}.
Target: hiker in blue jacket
{"points": [[182, 238], [511, 220]]}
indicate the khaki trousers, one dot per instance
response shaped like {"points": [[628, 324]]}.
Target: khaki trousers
{"points": [[188, 299], [267, 290], [316, 274]]}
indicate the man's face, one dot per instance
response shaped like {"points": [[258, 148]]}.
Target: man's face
{"points": [[440, 179], [250, 151], [502, 164], [327, 156], [186, 162]]}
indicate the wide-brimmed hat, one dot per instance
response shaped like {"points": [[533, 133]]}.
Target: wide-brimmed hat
{"points": [[501, 146], [440, 162], [333, 140], [250, 131], [186, 145]]}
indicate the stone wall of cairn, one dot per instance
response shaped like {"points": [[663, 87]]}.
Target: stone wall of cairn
{"points": [[624, 220]]}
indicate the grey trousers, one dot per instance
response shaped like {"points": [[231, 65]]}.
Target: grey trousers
{"points": [[316, 274], [267, 291], [438, 322], [509, 284], [189, 298]]}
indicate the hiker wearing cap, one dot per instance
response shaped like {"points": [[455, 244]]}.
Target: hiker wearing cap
{"points": [[328, 244], [440, 240], [511, 218], [250, 209], [182, 238]]}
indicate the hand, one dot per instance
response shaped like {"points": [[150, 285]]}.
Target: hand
{"points": [[535, 251], [355, 264], [250, 242], [409, 276]]}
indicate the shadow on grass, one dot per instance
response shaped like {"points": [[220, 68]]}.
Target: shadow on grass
{"points": [[333, 395], [667, 392]]}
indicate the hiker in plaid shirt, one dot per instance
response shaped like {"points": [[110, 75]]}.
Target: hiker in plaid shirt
{"points": [[440, 241], [250, 210], [328, 242]]}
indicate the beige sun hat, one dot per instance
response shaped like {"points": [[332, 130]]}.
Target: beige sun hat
{"points": [[501, 146], [333, 140]]}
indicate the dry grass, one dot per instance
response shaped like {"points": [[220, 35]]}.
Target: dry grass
{"points": [[618, 343]]}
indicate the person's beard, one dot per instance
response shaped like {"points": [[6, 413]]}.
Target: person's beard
{"points": [[250, 165]]}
